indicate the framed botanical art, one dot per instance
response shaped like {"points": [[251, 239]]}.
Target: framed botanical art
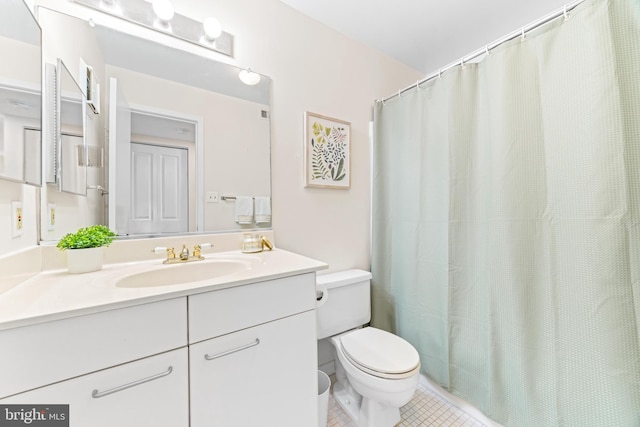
{"points": [[327, 152]]}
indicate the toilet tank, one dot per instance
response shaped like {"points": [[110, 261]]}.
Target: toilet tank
{"points": [[343, 301]]}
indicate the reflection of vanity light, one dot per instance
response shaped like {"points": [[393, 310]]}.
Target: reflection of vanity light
{"points": [[182, 131], [164, 11], [212, 29], [15, 103], [248, 77]]}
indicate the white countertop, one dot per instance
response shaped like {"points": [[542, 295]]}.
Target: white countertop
{"points": [[56, 294]]}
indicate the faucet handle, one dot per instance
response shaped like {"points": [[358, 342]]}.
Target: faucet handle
{"points": [[163, 249], [197, 249]]}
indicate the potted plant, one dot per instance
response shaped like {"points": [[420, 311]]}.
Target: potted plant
{"points": [[84, 248]]}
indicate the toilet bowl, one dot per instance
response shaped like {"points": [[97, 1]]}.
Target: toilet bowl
{"points": [[376, 372]]}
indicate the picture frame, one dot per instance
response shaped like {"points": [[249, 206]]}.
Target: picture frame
{"points": [[327, 152]]}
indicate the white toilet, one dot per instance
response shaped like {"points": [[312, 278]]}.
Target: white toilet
{"points": [[376, 372]]}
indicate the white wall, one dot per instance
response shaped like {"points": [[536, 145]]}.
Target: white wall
{"points": [[13, 191]]}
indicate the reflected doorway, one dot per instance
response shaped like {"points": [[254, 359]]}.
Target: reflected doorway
{"points": [[159, 189], [154, 169]]}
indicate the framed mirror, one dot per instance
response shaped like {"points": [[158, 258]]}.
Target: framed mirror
{"points": [[20, 94], [154, 96]]}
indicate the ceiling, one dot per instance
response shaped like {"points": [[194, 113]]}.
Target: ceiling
{"points": [[426, 34]]}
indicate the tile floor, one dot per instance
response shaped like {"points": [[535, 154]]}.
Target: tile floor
{"points": [[425, 409]]}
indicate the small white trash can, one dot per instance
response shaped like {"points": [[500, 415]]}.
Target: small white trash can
{"points": [[324, 384]]}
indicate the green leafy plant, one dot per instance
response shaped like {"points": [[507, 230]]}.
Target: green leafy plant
{"points": [[89, 237]]}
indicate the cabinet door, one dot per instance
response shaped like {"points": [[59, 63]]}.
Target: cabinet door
{"points": [[261, 376], [151, 392]]}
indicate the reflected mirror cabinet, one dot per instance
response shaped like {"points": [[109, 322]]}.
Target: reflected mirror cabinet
{"points": [[137, 129], [20, 94]]}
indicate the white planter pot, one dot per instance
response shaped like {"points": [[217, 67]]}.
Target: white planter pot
{"points": [[84, 260]]}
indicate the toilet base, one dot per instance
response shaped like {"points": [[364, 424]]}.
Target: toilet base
{"points": [[364, 412]]}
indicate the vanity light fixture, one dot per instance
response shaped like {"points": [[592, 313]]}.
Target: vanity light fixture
{"points": [[164, 11], [159, 15], [248, 77]]}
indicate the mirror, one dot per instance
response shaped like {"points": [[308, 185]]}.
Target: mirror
{"points": [[71, 150], [20, 94], [183, 131]]}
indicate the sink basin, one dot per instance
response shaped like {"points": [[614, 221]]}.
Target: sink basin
{"points": [[176, 274]]}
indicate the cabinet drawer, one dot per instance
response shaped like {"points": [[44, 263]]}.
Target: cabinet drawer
{"points": [[220, 312], [260, 376], [148, 392], [37, 355]]}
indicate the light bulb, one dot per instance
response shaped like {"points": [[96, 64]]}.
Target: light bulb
{"points": [[248, 77], [163, 10], [212, 28]]}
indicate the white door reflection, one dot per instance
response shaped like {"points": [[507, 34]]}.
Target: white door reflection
{"points": [[159, 189]]}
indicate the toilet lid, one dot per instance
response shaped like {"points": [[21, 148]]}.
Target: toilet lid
{"points": [[380, 351]]}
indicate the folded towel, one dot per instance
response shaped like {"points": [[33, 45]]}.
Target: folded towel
{"points": [[244, 210], [263, 210]]}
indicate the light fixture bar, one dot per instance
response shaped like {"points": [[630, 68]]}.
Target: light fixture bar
{"points": [[182, 27]]}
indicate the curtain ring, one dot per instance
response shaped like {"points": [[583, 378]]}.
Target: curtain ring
{"points": [[418, 85], [486, 50], [399, 93], [565, 13], [522, 37], [440, 73], [462, 62]]}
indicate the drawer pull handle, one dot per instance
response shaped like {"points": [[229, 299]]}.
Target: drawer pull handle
{"points": [[233, 350], [97, 394]]}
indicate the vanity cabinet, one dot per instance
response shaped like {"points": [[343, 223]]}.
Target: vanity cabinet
{"points": [[147, 392], [259, 365], [239, 356], [135, 357]]}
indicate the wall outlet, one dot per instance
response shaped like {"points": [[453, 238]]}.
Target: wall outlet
{"points": [[17, 220], [213, 197], [51, 217]]}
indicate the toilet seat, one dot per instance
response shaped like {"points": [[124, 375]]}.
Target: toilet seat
{"points": [[380, 353]]}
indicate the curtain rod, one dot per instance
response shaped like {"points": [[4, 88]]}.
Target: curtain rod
{"points": [[519, 33]]}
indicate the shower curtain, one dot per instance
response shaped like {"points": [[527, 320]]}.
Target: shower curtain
{"points": [[506, 223]]}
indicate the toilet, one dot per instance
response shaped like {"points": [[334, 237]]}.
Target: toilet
{"points": [[376, 372]]}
